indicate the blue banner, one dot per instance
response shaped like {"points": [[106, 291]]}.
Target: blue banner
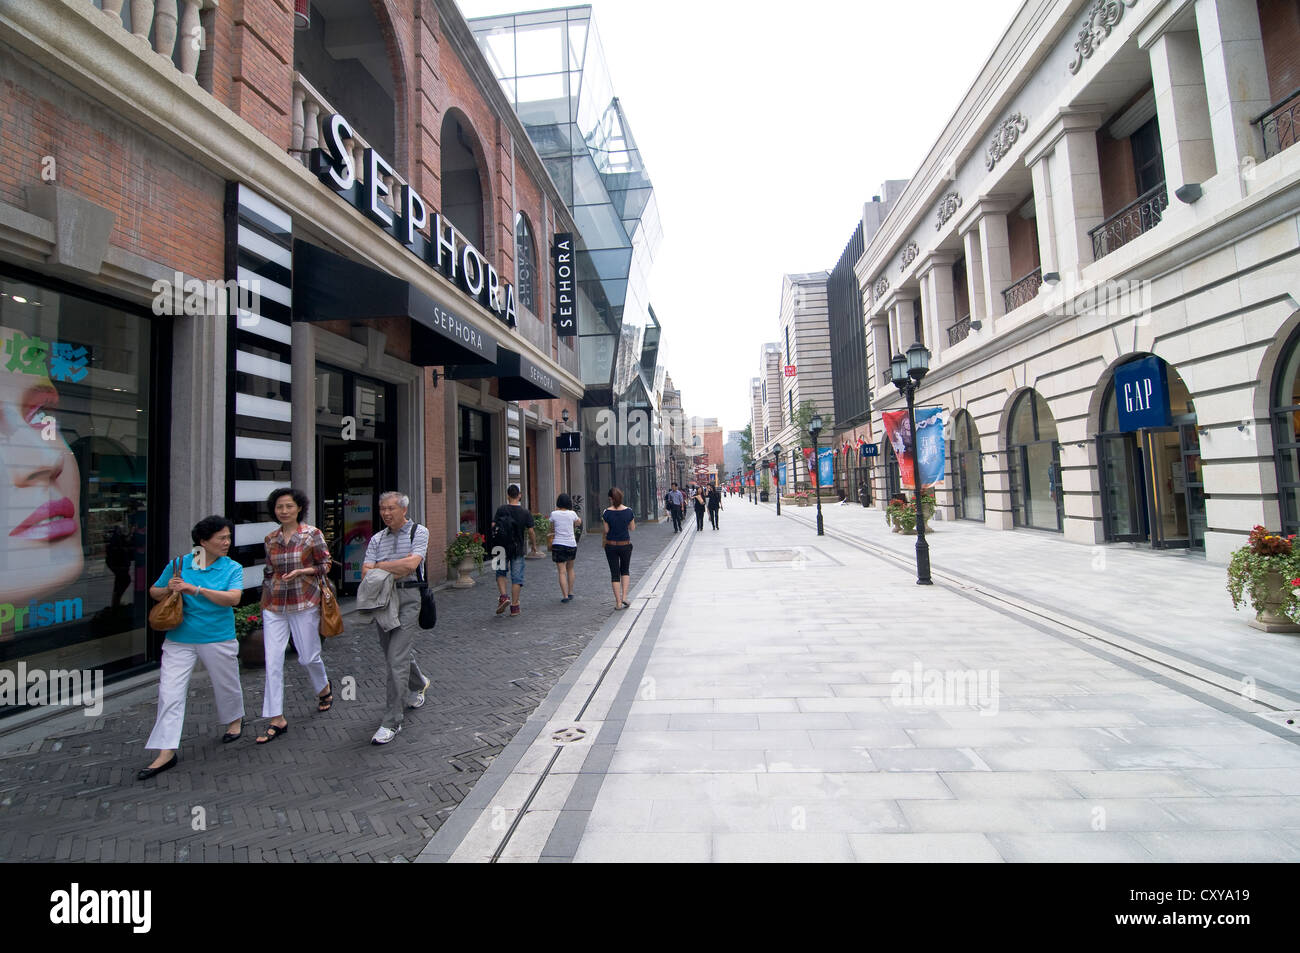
{"points": [[929, 444], [826, 466], [781, 476]]}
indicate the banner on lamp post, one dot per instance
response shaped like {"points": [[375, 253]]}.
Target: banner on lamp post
{"points": [[898, 431]]}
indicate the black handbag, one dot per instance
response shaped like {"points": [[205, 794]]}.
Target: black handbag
{"points": [[428, 605]]}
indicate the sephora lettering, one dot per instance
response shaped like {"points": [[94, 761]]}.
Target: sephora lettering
{"points": [[442, 248], [562, 252]]}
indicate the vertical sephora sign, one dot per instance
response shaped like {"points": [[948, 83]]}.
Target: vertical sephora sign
{"points": [[566, 324]]}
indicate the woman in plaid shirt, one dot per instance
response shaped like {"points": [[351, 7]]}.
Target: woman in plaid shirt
{"points": [[297, 561]]}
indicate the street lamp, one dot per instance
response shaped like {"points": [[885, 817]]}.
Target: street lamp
{"points": [[814, 431], [751, 466], [564, 416], [907, 372], [776, 474]]}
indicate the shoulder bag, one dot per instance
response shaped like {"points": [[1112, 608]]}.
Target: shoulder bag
{"points": [[331, 618], [428, 606], [169, 613]]}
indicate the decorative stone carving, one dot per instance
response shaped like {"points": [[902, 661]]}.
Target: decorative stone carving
{"points": [[1005, 138], [1102, 18], [947, 209], [880, 288], [910, 251]]}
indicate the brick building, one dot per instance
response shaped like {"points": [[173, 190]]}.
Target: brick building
{"points": [[240, 249]]}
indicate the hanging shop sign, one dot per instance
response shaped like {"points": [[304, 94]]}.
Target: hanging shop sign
{"points": [[569, 442], [566, 323], [870, 450], [1142, 394], [443, 248], [791, 370]]}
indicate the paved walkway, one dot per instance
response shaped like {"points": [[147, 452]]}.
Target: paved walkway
{"points": [[322, 792], [773, 695]]}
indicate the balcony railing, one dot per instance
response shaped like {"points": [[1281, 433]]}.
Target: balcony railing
{"points": [[1277, 123], [959, 331], [1135, 219], [173, 25], [1023, 291]]}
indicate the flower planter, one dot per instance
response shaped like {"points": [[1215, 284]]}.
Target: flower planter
{"points": [[252, 650], [1271, 616], [464, 580]]}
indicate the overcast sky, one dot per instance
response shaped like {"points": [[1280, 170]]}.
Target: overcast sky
{"points": [[764, 127]]}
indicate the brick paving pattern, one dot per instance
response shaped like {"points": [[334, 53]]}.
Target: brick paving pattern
{"points": [[322, 792]]}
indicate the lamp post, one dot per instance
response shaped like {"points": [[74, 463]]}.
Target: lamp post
{"points": [[751, 466], [776, 474], [907, 372], [564, 416], [814, 431]]}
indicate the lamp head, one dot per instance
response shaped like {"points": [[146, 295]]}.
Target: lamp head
{"points": [[898, 371], [564, 415], [815, 425], [918, 361]]}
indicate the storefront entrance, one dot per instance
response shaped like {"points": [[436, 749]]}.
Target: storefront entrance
{"points": [[474, 512]]}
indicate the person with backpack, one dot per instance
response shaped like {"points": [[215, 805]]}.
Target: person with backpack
{"points": [[512, 530]]}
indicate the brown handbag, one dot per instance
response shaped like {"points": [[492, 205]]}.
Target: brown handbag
{"points": [[331, 619], [169, 613]]}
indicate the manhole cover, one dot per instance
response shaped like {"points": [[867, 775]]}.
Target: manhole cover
{"points": [[774, 555], [568, 735]]}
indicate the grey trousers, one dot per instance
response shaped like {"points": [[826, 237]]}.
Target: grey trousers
{"points": [[404, 674]]}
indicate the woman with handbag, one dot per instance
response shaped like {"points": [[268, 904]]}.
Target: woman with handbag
{"points": [[197, 595], [297, 561]]}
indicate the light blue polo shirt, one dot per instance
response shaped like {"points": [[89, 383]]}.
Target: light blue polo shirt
{"points": [[205, 621]]}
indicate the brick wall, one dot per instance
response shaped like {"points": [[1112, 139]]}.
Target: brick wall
{"points": [[260, 64], [1025, 253], [1279, 21], [1118, 182]]}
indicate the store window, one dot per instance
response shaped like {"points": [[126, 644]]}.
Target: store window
{"points": [[1286, 432], [967, 471], [75, 385], [1035, 465]]}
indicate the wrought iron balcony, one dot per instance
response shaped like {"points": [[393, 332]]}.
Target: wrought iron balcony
{"points": [[1134, 219], [959, 331], [1023, 291], [1278, 123]]}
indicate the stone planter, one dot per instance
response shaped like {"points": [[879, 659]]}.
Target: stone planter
{"points": [[464, 580], [762, 496], [1270, 617], [252, 650]]}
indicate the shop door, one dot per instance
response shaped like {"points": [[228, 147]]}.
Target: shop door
{"points": [[1166, 478], [351, 475], [534, 501], [1123, 488]]}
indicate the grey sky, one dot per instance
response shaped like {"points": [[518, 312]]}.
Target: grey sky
{"points": [[765, 126]]}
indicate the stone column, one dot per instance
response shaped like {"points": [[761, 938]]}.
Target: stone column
{"points": [[1236, 82], [1182, 109], [939, 303], [1046, 216], [1067, 190], [302, 392], [199, 417]]}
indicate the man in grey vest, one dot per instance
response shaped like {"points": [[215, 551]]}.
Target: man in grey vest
{"points": [[399, 549]]}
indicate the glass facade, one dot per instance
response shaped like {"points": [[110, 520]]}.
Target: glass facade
{"points": [[552, 67], [1035, 465], [75, 386]]}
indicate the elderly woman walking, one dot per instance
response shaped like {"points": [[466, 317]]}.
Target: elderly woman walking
{"points": [[297, 561], [211, 585]]}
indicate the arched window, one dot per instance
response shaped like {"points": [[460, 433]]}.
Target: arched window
{"points": [[1034, 464], [462, 187], [1285, 405], [525, 263], [967, 471]]}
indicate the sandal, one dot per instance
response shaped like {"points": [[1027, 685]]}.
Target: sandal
{"points": [[326, 702], [272, 732], [230, 736]]}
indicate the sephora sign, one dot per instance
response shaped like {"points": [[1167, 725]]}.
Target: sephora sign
{"points": [[429, 236]]}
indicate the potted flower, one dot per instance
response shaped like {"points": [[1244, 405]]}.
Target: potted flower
{"points": [[542, 528], [901, 513], [801, 497], [465, 553], [1263, 573], [248, 632]]}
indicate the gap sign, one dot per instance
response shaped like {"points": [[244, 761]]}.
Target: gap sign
{"points": [[1142, 394], [566, 325]]}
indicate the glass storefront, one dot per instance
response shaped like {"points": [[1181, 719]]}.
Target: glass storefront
{"points": [[475, 502], [967, 472], [76, 381], [1285, 406], [1035, 465]]}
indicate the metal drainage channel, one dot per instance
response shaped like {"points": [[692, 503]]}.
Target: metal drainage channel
{"points": [[569, 735], [972, 590]]}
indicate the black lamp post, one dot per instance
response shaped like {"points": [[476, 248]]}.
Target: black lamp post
{"points": [[776, 474], [564, 416], [752, 467], [814, 431], [907, 372]]}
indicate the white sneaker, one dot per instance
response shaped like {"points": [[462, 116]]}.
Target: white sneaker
{"points": [[416, 699], [384, 735]]}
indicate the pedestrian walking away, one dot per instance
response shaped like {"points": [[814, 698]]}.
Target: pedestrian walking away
{"points": [[676, 503], [564, 544], [619, 522], [297, 562], [699, 500], [211, 585], [714, 505], [512, 532], [392, 578]]}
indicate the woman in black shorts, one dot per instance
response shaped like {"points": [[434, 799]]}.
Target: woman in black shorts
{"points": [[619, 523], [564, 544]]}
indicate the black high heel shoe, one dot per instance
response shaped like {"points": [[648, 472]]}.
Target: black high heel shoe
{"points": [[147, 773]]}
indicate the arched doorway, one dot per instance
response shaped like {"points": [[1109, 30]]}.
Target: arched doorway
{"points": [[462, 186], [1285, 412], [967, 470], [1149, 457], [893, 477], [1035, 464]]}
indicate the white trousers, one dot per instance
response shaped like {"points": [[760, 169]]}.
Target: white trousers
{"points": [[221, 659], [277, 627]]}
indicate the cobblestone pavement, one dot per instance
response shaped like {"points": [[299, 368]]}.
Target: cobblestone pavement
{"points": [[322, 792]]}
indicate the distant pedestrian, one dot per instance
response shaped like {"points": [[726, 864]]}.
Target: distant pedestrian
{"points": [[391, 580], [211, 585], [700, 503], [864, 493], [619, 522], [297, 561], [512, 530], [564, 544], [714, 503], [677, 503]]}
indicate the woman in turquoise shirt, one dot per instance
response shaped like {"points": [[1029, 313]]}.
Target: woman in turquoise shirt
{"points": [[211, 584]]}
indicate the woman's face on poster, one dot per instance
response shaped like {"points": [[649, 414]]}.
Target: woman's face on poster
{"points": [[40, 487]]}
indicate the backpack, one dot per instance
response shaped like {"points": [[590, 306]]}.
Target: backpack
{"points": [[508, 534]]}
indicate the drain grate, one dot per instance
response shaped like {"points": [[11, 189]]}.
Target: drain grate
{"points": [[569, 735]]}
